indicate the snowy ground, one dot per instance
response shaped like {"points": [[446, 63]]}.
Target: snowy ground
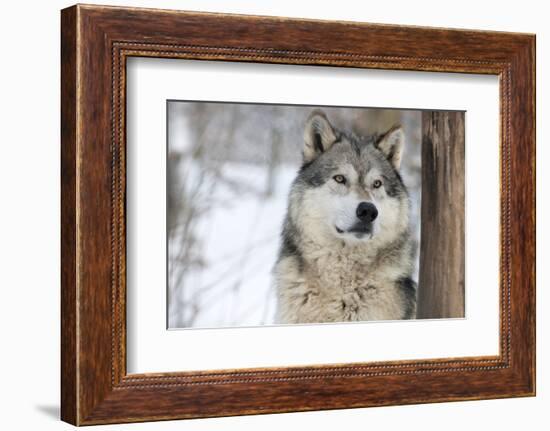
{"points": [[240, 242]]}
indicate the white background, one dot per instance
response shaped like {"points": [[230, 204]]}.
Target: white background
{"points": [[29, 216], [151, 348]]}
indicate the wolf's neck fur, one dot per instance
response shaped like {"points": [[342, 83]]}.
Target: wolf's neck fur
{"points": [[370, 262]]}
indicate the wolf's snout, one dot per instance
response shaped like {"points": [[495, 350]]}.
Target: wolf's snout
{"points": [[366, 212]]}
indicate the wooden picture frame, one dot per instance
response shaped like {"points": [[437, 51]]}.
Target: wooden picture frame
{"points": [[95, 43]]}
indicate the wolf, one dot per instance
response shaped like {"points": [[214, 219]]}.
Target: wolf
{"points": [[346, 251]]}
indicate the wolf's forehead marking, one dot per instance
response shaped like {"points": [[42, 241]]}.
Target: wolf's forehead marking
{"points": [[357, 153], [349, 170], [356, 146]]}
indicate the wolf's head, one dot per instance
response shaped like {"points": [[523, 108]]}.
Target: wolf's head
{"points": [[349, 188]]}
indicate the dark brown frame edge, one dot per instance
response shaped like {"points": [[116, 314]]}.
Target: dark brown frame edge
{"points": [[95, 43]]}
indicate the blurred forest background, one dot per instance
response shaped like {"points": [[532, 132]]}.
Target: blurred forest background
{"points": [[230, 167]]}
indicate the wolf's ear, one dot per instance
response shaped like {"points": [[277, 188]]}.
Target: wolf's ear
{"points": [[391, 144], [319, 135]]}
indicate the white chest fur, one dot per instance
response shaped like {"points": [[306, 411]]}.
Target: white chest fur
{"points": [[343, 284]]}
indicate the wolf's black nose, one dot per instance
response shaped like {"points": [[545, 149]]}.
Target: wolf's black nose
{"points": [[366, 212]]}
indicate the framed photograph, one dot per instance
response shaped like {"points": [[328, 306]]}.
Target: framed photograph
{"points": [[263, 214]]}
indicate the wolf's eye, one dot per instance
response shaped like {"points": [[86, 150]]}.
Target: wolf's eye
{"points": [[340, 179], [377, 184]]}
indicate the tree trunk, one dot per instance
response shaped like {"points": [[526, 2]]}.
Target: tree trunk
{"points": [[441, 276]]}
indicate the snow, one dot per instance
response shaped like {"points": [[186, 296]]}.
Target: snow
{"points": [[240, 237]]}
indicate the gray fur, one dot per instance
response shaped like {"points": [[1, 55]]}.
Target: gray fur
{"points": [[333, 267]]}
